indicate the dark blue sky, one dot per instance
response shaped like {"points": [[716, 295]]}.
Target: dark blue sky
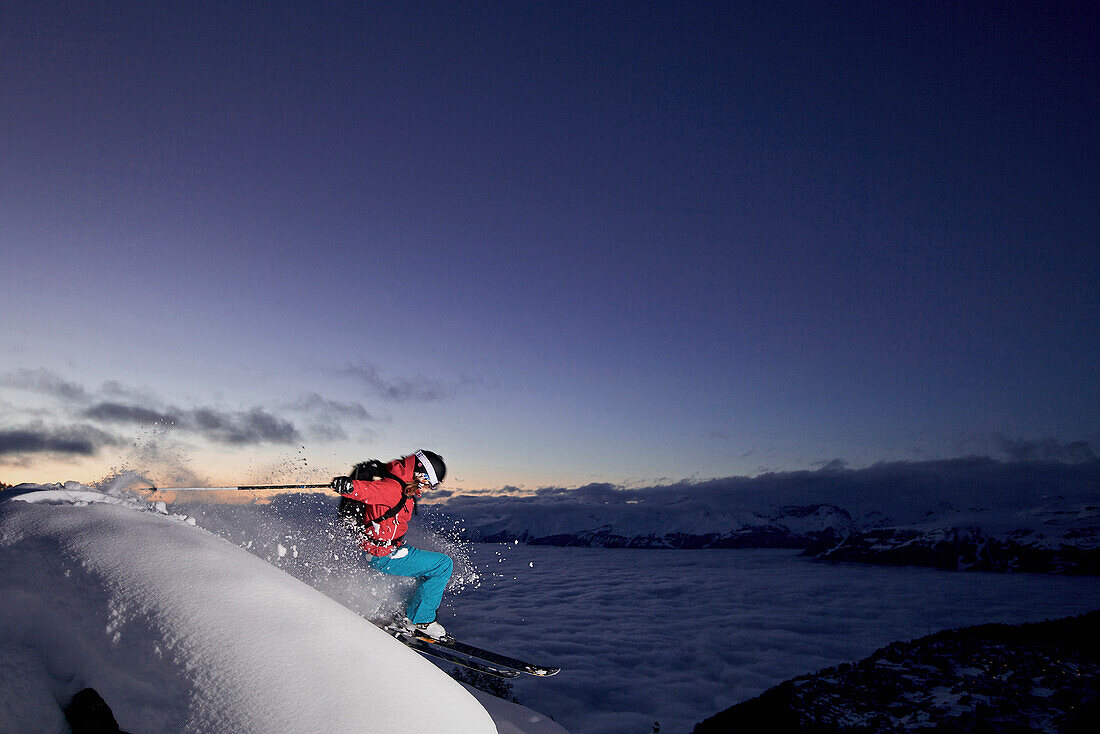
{"points": [[557, 241]]}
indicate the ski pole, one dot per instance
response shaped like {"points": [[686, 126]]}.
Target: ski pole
{"points": [[225, 489]]}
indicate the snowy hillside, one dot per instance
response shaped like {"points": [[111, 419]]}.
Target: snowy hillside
{"points": [[1063, 538], [179, 630]]}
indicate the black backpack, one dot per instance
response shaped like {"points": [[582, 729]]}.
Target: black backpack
{"points": [[350, 510]]}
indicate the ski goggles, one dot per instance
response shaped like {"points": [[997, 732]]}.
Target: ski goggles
{"points": [[428, 469]]}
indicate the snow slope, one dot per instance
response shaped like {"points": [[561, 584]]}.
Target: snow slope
{"points": [[180, 630]]}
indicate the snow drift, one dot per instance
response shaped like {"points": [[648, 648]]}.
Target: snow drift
{"points": [[179, 630]]}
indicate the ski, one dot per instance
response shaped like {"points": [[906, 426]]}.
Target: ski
{"points": [[488, 656], [462, 653], [420, 645]]}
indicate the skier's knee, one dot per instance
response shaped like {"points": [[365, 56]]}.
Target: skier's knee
{"points": [[446, 566]]}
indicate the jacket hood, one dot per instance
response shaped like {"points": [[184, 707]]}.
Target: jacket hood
{"points": [[404, 467]]}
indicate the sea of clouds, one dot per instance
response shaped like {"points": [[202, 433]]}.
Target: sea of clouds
{"points": [[648, 636]]}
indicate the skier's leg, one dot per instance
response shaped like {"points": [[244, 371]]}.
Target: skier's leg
{"points": [[433, 571]]}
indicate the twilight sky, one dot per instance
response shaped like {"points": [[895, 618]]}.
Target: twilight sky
{"points": [[556, 242]]}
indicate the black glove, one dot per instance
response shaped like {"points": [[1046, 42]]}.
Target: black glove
{"points": [[342, 485]]}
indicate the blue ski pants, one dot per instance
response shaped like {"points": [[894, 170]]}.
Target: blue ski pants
{"points": [[431, 569]]}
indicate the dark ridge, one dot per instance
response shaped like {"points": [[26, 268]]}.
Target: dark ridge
{"points": [[1043, 676]]}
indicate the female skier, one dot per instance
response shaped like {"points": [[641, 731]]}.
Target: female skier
{"points": [[381, 499]]}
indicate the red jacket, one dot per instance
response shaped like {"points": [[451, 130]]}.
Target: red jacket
{"points": [[382, 538]]}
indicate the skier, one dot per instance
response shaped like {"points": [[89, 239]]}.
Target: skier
{"points": [[381, 498]]}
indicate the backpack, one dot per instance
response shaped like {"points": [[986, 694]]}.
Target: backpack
{"points": [[373, 470]]}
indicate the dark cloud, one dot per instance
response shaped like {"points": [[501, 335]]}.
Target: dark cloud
{"points": [[329, 419], [1048, 449], [45, 382], [903, 489], [220, 426], [119, 405], [115, 390], [258, 424], [212, 421], [406, 390], [119, 413], [597, 493], [327, 432], [71, 441], [317, 405], [241, 427]]}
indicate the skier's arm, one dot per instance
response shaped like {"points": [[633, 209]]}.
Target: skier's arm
{"points": [[371, 493]]}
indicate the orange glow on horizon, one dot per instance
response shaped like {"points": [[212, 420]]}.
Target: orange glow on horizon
{"points": [[220, 497]]}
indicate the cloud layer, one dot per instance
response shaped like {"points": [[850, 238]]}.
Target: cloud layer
{"points": [[44, 381], [80, 421], [407, 390], [905, 490], [252, 426], [81, 440], [1047, 450]]}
